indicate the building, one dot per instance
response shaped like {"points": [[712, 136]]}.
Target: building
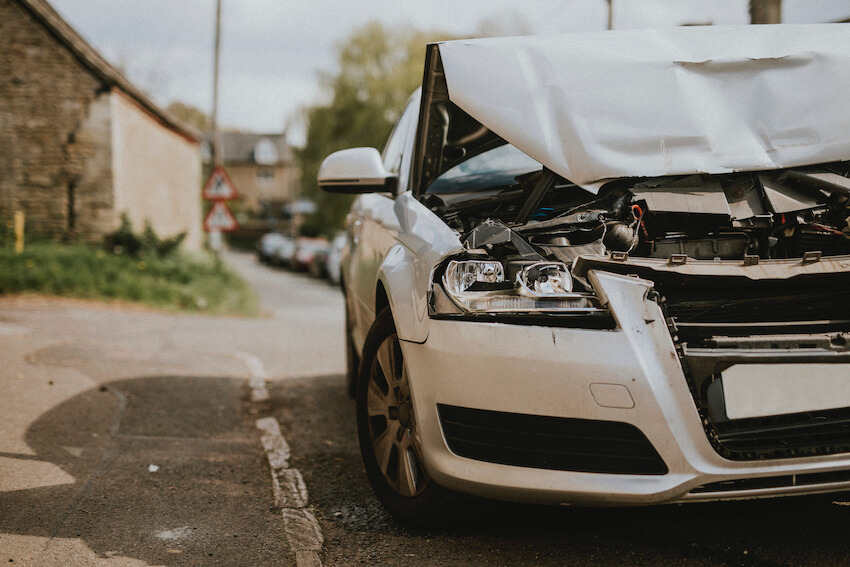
{"points": [[263, 169], [80, 144]]}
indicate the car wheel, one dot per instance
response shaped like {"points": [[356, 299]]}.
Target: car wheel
{"points": [[389, 438]]}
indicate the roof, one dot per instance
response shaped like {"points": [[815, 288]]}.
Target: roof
{"points": [[646, 103], [240, 147], [96, 64]]}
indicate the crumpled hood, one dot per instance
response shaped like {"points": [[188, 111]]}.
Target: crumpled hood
{"points": [[646, 103]]}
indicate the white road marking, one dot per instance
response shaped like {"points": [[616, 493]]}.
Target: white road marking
{"points": [[292, 490], [274, 443], [258, 376], [9, 330], [290, 495], [175, 534], [302, 529]]}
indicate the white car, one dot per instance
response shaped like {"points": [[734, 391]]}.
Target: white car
{"points": [[268, 245], [607, 268]]}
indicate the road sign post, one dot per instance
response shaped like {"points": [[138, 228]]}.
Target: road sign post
{"points": [[220, 219], [219, 186], [219, 189]]}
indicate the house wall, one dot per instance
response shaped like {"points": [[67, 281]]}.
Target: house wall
{"points": [[157, 173], [54, 133], [253, 189]]}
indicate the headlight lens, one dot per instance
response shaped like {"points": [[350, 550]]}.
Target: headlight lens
{"points": [[463, 275], [482, 286], [545, 279]]}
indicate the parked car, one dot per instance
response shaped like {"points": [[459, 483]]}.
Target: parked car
{"points": [[267, 246], [306, 251], [606, 268], [282, 255], [332, 259]]}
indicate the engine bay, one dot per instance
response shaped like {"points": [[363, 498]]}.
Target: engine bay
{"points": [[767, 214]]}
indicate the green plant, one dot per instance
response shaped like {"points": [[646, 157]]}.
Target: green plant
{"points": [[178, 281], [125, 241]]}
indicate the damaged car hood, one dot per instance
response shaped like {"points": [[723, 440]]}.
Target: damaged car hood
{"points": [[647, 103]]}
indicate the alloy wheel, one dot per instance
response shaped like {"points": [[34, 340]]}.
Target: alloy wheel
{"points": [[392, 424]]}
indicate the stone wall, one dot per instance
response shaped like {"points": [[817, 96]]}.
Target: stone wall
{"points": [[54, 133]]}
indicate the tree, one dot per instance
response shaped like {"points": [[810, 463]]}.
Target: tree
{"points": [[191, 115], [765, 11], [378, 70]]}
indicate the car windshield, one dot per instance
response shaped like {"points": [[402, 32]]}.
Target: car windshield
{"points": [[494, 168]]}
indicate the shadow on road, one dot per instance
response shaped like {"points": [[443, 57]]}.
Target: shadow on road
{"points": [[167, 470]]}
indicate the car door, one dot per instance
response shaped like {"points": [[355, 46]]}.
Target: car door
{"points": [[373, 225]]}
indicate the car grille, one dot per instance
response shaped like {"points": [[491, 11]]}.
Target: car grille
{"points": [[785, 436], [699, 314], [553, 443], [768, 482], [763, 302]]}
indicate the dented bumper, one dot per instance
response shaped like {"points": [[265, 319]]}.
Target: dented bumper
{"points": [[549, 414]]}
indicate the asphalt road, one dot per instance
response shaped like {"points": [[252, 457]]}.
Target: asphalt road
{"points": [[319, 423], [128, 438]]}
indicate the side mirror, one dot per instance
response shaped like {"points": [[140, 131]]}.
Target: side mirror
{"points": [[355, 170]]}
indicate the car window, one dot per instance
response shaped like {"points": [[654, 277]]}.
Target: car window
{"points": [[407, 153], [498, 167], [396, 143]]}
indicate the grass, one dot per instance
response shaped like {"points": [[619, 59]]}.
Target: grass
{"points": [[179, 281]]}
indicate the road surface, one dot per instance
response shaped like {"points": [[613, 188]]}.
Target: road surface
{"points": [[128, 437]]}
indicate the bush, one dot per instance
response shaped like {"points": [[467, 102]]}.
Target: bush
{"points": [[125, 241], [172, 280]]}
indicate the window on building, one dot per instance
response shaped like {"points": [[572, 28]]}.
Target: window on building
{"points": [[265, 176]]}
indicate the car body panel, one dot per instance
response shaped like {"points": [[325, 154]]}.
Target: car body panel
{"points": [[397, 244], [550, 371]]}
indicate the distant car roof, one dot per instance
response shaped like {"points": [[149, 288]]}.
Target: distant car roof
{"points": [[637, 103]]}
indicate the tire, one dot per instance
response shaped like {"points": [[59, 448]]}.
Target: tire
{"points": [[389, 440]]}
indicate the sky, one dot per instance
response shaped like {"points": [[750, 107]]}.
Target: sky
{"points": [[272, 51]]}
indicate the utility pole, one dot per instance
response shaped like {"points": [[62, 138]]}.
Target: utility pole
{"points": [[216, 241], [610, 14], [765, 11], [216, 135]]}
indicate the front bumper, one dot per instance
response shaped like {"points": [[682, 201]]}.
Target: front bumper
{"points": [[629, 375]]}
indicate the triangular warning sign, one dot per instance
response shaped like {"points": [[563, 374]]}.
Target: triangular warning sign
{"points": [[219, 186], [220, 219]]}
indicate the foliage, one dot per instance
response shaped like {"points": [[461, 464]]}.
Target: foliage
{"points": [[133, 267], [191, 115], [378, 70], [176, 281], [125, 241]]}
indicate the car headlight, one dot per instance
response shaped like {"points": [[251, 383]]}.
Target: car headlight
{"points": [[493, 286], [545, 279], [471, 274]]}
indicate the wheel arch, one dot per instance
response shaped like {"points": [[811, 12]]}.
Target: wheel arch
{"points": [[403, 285], [381, 298]]}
